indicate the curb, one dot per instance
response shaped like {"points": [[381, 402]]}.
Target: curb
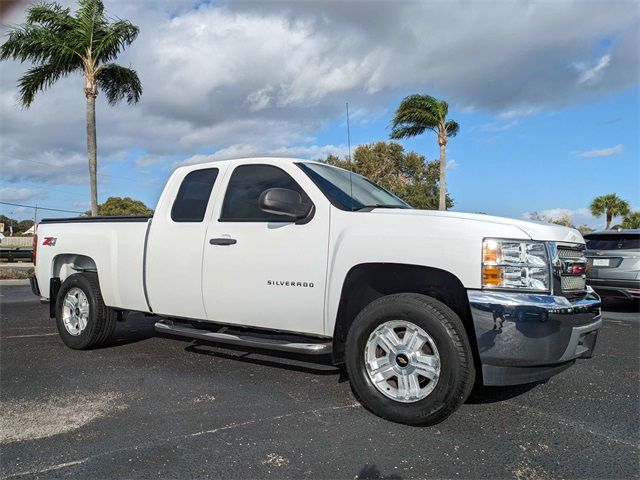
{"points": [[11, 283]]}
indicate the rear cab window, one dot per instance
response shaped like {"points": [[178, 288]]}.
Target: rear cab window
{"points": [[192, 199]]}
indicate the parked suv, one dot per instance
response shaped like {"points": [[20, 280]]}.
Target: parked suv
{"points": [[614, 260]]}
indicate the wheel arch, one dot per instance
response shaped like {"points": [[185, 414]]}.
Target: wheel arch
{"points": [[367, 282], [62, 267]]}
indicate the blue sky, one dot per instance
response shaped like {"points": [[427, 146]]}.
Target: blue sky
{"points": [[547, 98]]}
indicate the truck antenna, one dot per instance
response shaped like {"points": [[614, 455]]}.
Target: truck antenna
{"points": [[350, 162]]}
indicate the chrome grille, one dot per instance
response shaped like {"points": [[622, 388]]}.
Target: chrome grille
{"points": [[571, 283]]}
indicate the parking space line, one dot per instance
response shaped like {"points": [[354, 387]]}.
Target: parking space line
{"points": [[184, 436], [572, 423], [27, 336]]}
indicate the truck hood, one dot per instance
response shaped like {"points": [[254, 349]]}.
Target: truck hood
{"points": [[535, 230]]}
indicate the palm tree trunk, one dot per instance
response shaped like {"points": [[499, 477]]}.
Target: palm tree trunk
{"points": [[608, 220], [92, 152], [442, 203]]}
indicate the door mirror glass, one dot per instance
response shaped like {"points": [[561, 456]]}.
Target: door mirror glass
{"points": [[285, 202]]}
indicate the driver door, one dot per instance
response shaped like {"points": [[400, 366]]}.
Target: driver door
{"points": [[261, 270]]}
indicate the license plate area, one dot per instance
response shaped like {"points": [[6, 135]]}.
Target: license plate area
{"points": [[601, 262]]}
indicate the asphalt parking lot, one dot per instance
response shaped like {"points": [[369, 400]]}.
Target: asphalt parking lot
{"points": [[151, 406]]}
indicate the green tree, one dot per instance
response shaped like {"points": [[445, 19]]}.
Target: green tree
{"points": [[418, 113], [115, 206], [407, 175], [22, 226], [631, 220], [58, 43], [565, 219], [609, 205], [584, 229]]}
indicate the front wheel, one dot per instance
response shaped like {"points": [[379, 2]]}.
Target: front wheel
{"points": [[82, 318], [409, 359]]}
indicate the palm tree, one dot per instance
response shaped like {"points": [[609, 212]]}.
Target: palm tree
{"points": [[58, 43], [418, 113], [631, 220], [610, 205]]}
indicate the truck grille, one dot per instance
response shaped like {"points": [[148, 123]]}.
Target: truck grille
{"points": [[572, 273]]}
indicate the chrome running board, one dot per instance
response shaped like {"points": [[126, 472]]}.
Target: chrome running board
{"points": [[252, 339]]}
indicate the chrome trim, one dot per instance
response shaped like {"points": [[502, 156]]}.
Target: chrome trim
{"points": [[525, 337], [557, 264], [248, 340], [551, 303]]}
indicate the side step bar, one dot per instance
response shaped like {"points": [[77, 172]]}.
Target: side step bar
{"points": [[253, 339]]}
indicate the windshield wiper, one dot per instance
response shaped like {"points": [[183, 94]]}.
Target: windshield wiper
{"points": [[377, 205]]}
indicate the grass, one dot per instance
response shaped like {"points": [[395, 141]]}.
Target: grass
{"points": [[14, 274]]}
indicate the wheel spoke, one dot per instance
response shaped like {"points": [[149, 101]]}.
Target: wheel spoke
{"points": [[427, 366], [414, 385], [388, 339], [413, 340], [403, 386], [383, 372], [68, 303]]}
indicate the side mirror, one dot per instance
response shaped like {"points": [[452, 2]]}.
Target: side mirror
{"points": [[285, 202]]}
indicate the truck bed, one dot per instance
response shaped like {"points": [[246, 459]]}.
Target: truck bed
{"points": [[114, 246]]}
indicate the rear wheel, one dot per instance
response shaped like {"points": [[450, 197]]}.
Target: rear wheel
{"points": [[82, 318], [409, 359]]}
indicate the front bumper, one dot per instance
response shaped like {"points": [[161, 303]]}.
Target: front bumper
{"points": [[525, 337]]}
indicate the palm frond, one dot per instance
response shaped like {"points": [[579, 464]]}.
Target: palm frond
{"points": [[36, 44], [109, 41], [452, 128], [406, 131], [39, 78], [50, 15], [118, 83], [415, 114]]}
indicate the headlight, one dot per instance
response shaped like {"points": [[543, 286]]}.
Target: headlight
{"points": [[515, 264]]}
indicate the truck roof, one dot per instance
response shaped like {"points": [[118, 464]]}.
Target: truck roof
{"points": [[240, 161]]}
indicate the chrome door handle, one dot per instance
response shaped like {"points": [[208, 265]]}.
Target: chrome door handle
{"points": [[223, 241]]}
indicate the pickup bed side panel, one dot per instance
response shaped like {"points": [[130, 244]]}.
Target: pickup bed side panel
{"points": [[116, 249], [449, 244]]}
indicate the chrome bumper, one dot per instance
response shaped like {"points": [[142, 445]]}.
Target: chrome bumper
{"points": [[524, 338]]}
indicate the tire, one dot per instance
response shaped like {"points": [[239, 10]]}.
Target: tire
{"points": [[96, 326], [450, 373]]}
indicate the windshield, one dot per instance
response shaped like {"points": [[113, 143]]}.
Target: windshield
{"points": [[627, 241], [336, 184]]}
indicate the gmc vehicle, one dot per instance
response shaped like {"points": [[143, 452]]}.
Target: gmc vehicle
{"points": [[299, 256], [614, 260]]}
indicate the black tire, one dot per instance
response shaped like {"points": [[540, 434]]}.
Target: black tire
{"points": [[457, 374], [101, 321]]}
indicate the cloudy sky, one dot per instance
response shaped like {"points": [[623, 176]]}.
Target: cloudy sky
{"points": [[546, 93]]}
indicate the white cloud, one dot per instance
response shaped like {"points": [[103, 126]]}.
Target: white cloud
{"points": [[499, 127], [310, 152], [602, 152], [519, 112], [11, 194], [263, 77], [578, 216], [593, 74], [452, 164]]}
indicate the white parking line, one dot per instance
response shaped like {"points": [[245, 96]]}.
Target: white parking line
{"points": [[27, 336]]}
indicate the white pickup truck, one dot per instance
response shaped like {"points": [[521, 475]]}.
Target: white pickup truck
{"points": [[300, 256]]}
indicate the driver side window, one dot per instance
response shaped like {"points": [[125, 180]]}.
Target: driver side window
{"points": [[245, 187]]}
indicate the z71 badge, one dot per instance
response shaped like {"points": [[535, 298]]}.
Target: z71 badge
{"points": [[49, 241]]}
